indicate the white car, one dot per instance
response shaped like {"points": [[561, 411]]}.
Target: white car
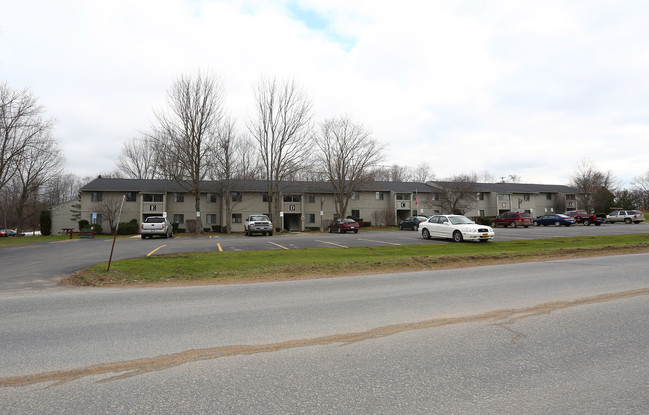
{"points": [[456, 227]]}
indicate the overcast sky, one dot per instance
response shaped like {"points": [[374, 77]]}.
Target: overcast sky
{"points": [[530, 88]]}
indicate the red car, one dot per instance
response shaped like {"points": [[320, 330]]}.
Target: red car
{"points": [[512, 219], [344, 225]]}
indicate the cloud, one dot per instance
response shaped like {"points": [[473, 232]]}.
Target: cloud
{"points": [[511, 87]]}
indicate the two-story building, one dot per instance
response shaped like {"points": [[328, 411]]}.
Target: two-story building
{"points": [[304, 205]]}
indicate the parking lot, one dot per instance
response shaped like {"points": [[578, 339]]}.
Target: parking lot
{"points": [[41, 265]]}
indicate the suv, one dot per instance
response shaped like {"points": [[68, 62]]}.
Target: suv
{"points": [[626, 216], [512, 219], [258, 224]]}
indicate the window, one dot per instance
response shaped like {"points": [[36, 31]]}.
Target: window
{"points": [[179, 198], [480, 197], [503, 197], [571, 197], [152, 197], [481, 213], [292, 198], [526, 198], [403, 196], [131, 196], [356, 196], [236, 218], [96, 220], [548, 196], [379, 195], [211, 198], [310, 198], [95, 196], [210, 218], [179, 219], [266, 198], [310, 218], [356, 213], [435, 196], [237, 197]]}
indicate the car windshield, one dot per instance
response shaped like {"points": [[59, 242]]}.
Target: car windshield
{"points": [[460, 220], [155, 220], [259, 217], [348, 220]]}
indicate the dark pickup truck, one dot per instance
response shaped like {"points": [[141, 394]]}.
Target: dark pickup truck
{"points": [[581, 216]]}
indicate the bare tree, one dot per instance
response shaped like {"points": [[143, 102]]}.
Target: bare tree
{"points": [[422, 173], [281, 129], [21, 123], [138, 160], [641, 186], [228, 166], [457, 194], [42, 161], [62, 188], [346, 152], [109, 207], [593, 186], [185, 134]]}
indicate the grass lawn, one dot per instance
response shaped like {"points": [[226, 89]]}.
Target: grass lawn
{"points": [[223, 267]]}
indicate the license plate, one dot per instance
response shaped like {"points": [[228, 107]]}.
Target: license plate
{"points": [[485, 235]]}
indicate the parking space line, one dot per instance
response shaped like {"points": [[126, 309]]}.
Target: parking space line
{"points": [[283, 247], [219, 245], [380, 242], [152, 252], [331, 243]]}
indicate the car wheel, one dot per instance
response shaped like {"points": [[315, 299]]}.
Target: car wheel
{"points": [[329, 229], [636, 222], [270, 233], [525, 226], [355, 230], [425, 233], [400, 227], [627, 221], [513, 225], [340, 230], [143, 236], [457, 236], [586, 222], [557, 223], [493, 224]]}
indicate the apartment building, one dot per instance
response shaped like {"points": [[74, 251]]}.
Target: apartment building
{"points": [[304, 205]]}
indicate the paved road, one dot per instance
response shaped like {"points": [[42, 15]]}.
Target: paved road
{"points": [[558, 337], [40, 266]]}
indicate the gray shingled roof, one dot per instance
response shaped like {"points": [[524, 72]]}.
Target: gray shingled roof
{"points": [[140, 185]]}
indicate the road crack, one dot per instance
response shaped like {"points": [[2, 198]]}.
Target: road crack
{"points": [[125, 369]]}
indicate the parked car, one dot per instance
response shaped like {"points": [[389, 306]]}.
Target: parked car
{"points": [[555, 219], [343, 225], [626, 216], [258, 224], [4, 233], [456, 227], [581, 216], [156, 225], [412, 222], [512, 219]]}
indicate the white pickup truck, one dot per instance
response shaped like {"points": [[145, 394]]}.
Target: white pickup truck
{"points": [[258, 224], [156, 225]]}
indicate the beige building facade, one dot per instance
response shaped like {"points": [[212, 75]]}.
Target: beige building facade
{"points": [[304, 205]]}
